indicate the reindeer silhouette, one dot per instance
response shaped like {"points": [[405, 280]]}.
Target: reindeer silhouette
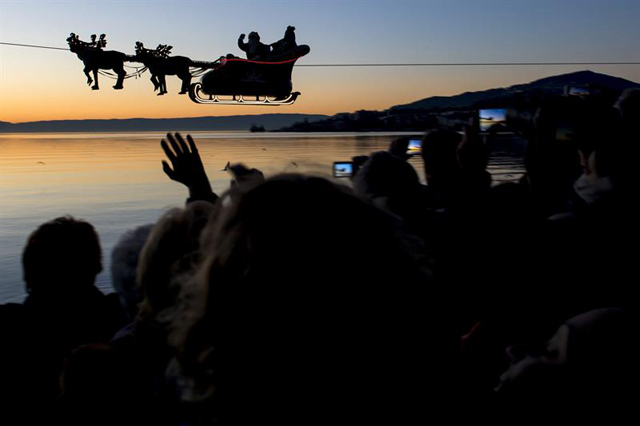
{"points": [[160, 64], [94, 58]]}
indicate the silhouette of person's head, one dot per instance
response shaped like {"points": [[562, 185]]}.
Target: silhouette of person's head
{"points": [[124, 264], [61, 256], [309, 299], [551, 158], [629, 106], [599, 140], [472, 154], [169, 256], [440, 156], [254, 36], [389, 182]]}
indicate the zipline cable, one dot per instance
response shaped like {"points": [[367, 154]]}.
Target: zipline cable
{"points": [[109, 74], [32, 45], [469, 64], [443, 64]]}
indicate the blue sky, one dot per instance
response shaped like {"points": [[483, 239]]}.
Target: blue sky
{"points": [[337, 31]]}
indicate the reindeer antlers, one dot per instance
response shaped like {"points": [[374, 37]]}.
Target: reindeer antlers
{"points": [[163, 50], [99, 44]]}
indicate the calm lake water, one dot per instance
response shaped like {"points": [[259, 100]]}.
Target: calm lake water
{"points": [[116, 182]]}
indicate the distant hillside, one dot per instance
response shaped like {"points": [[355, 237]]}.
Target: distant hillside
{"points": [[549, 85], [450, 110], [231, 123]]}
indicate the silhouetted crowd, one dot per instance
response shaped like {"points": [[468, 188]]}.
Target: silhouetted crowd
{"points": [[297, 300]]}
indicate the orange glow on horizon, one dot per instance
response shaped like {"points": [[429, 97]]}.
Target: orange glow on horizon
{"points": [[43, 84], [64, 95]]}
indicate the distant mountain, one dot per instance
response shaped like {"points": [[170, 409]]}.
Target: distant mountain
{"points": [[416, 116], [230, 123], [453, 110], [549, 85]]}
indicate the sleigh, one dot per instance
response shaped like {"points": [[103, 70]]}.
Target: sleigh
{"points": [[235, 81]]}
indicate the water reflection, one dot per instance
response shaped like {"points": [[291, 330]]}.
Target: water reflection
{"points": [[115, 181]]}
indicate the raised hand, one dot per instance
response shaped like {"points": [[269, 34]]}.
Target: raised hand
{"points": [[186, 166]]}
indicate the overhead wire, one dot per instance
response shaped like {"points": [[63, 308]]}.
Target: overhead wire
{"points": [[417, 64]]}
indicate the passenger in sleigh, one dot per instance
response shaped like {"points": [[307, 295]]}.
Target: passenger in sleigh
{"points": [[287, 43], [255, 50]]}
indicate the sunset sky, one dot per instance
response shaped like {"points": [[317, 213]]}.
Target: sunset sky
{"points": [[38, 84]]}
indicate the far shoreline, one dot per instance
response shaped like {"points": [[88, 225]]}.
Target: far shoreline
{"points": [[244, 133]]}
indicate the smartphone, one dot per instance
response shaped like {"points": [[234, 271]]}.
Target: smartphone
{"points": [[492, 117], [343, 169], [415, 147]]}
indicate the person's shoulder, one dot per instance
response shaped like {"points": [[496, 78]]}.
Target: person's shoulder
{"points": [[11, 307], [9, 312], [14, 321], [106, 309], [111, 303]]}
